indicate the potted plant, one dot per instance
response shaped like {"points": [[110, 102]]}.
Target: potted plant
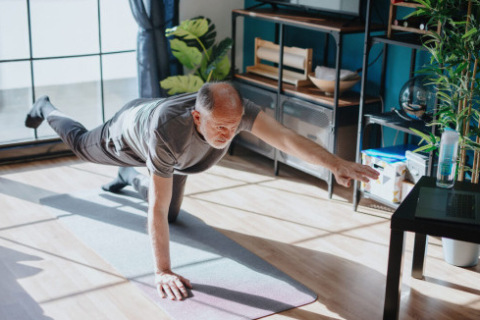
{"points": [[454, 48], [193, 44]]}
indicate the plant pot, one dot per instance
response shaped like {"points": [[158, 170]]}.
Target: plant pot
{"points": [[460, 253]]}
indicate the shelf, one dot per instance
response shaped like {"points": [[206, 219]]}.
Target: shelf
{"points": [[407, 29], [408, 4], [336, 113], [392, 120], [410, 40], [312, 93], [288, 76], [310, 21]]}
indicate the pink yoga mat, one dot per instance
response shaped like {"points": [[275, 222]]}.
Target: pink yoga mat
{"points": [[229, 281]]}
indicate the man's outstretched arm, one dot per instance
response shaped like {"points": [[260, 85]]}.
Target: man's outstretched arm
{"points": [[288, 141], [168, 284]]}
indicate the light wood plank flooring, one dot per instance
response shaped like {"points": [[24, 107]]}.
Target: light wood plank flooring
{"points": [[47, 273]]}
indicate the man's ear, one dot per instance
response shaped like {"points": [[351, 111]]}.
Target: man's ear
{"points": [[196, 117]]}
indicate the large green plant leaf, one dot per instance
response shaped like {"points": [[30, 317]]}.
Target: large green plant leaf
{"points": [[203, 67], [218, 54], [182, 84], [193, 44], [218, 72], [190, 57], [218, 66], [222, 69], [189, 29], [198, 32], [208, 39]]}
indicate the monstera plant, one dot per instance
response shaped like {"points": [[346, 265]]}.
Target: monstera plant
{"points": [[193, 44]]}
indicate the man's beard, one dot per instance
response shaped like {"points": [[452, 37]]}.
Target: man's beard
{"points": [[219, 145]]}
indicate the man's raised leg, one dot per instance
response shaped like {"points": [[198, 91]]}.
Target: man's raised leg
{"points": [[87, 145]]}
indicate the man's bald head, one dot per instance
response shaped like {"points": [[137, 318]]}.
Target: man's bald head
{"points": [[219, 95]]}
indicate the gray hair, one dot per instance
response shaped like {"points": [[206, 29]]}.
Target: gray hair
{"points": [[205, 97]]}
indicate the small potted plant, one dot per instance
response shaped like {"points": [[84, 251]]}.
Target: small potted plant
{"points": [[193, 44]]}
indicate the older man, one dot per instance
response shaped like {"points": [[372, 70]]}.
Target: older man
{"points": [[177, 136]]}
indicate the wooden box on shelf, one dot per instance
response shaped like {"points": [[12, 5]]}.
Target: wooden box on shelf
{"points": [[300, 60]]}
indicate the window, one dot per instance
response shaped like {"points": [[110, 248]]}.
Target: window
{"points": [[80, 53]]}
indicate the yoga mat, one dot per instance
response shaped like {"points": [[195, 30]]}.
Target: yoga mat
{"points": [[229, 282]]}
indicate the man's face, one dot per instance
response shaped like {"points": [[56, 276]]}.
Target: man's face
{"points": [[218, 127]]}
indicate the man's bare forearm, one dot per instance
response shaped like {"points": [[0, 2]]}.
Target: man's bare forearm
{"points": [[159, 195], [288, 141], [169, 284], [159, 238], [309, 151]]}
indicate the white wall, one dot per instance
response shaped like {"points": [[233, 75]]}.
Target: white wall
{"points": [[220, 12]]}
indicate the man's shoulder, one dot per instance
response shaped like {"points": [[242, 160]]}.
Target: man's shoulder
{"points": [[174, 108], [181, 100], [251, 111]]}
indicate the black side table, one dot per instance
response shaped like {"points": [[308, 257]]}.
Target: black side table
{"points": [[404, 220]]}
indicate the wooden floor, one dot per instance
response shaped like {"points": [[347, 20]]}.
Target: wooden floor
{"points": [[47, 273]]}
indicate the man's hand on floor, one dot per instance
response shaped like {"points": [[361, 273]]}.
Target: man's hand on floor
{"points": [[172, 285]]}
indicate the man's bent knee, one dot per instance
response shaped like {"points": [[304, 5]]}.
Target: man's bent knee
{"points": [[172, 215]]}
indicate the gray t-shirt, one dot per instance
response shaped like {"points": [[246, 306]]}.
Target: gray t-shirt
{"points": [[161, 134]]}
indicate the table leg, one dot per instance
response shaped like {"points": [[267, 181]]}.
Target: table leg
{"points": [[419, 253], [394, 275]]}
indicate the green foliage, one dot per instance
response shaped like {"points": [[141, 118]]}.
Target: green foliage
{"points": [[189, 29], [431, 140], [453, 52], [190, 57], [182, 84], [193, 44], [218, 54], [207, 39]]}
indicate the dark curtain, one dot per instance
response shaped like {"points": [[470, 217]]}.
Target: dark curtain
{"points": [[154, 58]]}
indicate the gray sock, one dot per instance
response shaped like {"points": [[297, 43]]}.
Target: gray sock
{"points": [[125, 177], [39, 111]]}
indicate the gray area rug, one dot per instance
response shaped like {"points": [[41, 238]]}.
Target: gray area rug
{"points": [[229, 282]]}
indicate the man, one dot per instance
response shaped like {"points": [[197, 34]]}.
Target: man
{"points": [[177, 136]]}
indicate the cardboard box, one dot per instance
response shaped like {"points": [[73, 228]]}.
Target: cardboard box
{"points": [[407, 186], [388, 186], [417, 165]]}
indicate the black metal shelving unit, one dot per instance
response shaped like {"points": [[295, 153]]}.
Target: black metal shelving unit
{"points": [[386, 119], [326, 111]]}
